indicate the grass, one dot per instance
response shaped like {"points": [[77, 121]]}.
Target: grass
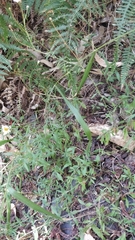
{"points": [[54, 174]]}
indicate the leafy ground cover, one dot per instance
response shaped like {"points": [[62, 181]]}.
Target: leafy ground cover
{"points": [[67, 66]]}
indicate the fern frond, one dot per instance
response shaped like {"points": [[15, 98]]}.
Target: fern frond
{"points": [[5, 46], [29, 3], [39, 6], [125, 23], [126, 13], [4, 30], [127, 59], [5, 61], [4, 66], [65, 16], [59, 28]]}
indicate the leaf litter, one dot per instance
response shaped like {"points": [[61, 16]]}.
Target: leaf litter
{"points": [[115, 164]]}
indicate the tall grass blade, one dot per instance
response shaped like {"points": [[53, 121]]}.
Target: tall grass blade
{"points": [[77, 116], [86, 72], [30, 204]]}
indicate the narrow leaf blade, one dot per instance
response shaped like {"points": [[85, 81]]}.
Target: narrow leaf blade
{"points": [[30, 204], [5, 141], [86, 72], [77, 116]]}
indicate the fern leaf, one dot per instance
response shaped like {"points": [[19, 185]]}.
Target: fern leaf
{"points": [[26, 3], [126, 11], [4, 65], [9, 46], [127, 60], [5, 61]]}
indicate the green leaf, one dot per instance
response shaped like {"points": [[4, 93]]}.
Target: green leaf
{"points": [[5, 141], [122, 237], [59, 176], [132, 195], [77, 115], [30, 204], [86, 72], [98, 232]]}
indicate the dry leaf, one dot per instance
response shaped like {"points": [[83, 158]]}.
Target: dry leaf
{"points": [[117, 138], [2, 148], [37, 54], [13, 208], [102, 62], [88, 236], [39, 58], [4, 109], [97, 71], [46, 62], [81, 47], [52, 70], [1, 82], [8, 147], [96, 39]]}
